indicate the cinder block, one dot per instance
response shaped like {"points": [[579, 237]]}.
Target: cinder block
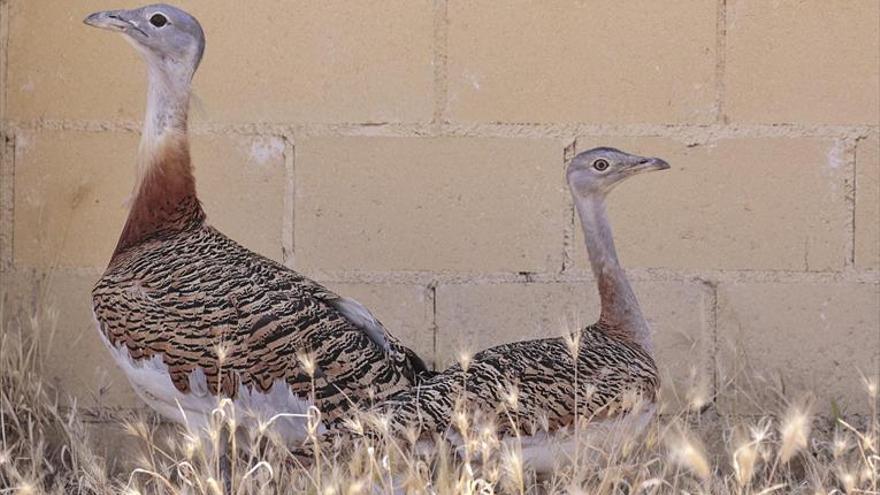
{"points": [[60, 68], [242, 182], [74, 360], [810, 62], [442, 204], [311, 61], [819, 338], [70, 189], [868, 203], [741, 204], [575, 61], [406, 311], [471, 318]]}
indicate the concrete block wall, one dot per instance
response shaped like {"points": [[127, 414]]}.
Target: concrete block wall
{"points": [[410, 153]]}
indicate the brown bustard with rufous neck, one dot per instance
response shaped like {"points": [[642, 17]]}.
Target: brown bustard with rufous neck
{"points": [[190, 315]]}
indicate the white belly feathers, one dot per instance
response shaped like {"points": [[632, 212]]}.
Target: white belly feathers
{"points": [[151, 381]]}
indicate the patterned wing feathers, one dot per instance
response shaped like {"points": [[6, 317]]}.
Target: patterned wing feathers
{"points": [[199, 301]]}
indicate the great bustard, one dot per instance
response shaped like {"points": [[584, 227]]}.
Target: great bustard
{"points": [[532, 388], [191, 315]]}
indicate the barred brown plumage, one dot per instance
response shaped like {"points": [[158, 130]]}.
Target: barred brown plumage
{"points": [[549, 382], [191, 315], [604, 374], [184, 295]]}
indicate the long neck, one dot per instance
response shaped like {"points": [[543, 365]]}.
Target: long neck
{"points": [[621, 314], [164, 197]]}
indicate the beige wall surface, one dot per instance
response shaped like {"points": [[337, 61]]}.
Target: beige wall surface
{"points": [[410, 154]]}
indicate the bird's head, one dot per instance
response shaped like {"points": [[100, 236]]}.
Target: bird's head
{"points": [[598, 170], [166, 36]]}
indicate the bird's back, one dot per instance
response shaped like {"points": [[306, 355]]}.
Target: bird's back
{"points": [[193, 315], [534, 385]]}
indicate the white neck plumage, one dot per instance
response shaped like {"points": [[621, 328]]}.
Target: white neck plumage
{"points": [[620, 308], [165, 120]]}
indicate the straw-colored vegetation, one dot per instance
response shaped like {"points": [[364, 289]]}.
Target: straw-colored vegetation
{"points": [[46, 448]]}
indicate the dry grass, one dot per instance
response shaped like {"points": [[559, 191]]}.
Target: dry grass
{"points": [[46, 448]]}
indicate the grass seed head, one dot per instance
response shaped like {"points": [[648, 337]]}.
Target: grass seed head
{"points": [[745, 459], [464, 359], [222, 352], [871, 386], [27, 488], [511, 397], [699, 392], [794, 433], [572, 343], [847, 479], [687, 452], [308, 362]]}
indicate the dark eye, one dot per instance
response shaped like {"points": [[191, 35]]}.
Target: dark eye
{"points": [[158, 20], [600, 165]]}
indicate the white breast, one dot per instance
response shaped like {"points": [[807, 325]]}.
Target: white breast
{"points": [[547, 452], [283, 412]]}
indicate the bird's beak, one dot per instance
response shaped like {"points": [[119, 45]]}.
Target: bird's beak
{"points": [[649, 164], [111, 20]]}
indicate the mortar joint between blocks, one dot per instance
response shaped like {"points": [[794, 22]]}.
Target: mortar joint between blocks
{"points": [[720, 60], [288, 224], [711, 287], [568, 220], [4, 60], [580, 276], [432, 295], [691, 134], [440, 62], [848, 146], [7, 201]]}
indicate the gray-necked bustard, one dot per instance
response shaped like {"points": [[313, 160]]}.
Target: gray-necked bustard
{"points": [[189, 314], [535, 387]]}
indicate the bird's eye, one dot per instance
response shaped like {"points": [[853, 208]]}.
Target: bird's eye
{"points": [[158, 20], [600, 165]]}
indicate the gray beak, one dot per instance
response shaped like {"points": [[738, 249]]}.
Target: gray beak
{"points": [[649, 164], [111, 20], [658, 164]]}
